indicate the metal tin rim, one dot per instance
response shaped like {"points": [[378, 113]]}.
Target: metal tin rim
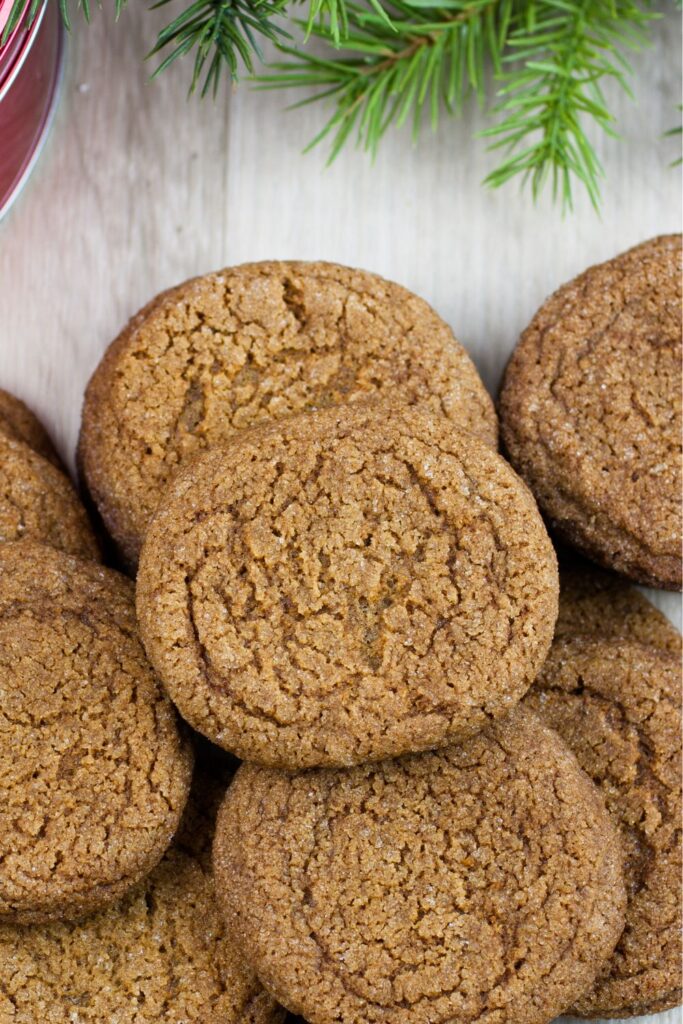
{"points": [[4, 18], [23, 53], [48, 117]]}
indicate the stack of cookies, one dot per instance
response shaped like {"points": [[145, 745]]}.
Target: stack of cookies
{"points": [[461, 797], [100, 921]]}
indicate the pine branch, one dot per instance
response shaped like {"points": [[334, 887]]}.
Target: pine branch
{"points": [[393, 61], [552, 58], [423, 58], [561, 55], [19, 7], [221, 33], [333, 15]]}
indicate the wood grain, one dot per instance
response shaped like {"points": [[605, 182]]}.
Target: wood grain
{"points": [[139, 188]]}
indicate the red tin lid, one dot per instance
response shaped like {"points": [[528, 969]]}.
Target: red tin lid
{"points": [[5, 8], [30, 66], [14, 49]]}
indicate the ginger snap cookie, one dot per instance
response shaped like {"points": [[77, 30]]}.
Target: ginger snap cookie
{"points": [[18, 422], [95, 774], [38, 503], [591, 412], [618, 706], [249, 344], [162, 955], [598, 604], [479, 882], [345, 586]]}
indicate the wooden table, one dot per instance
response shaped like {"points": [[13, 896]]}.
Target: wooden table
{"points": [[139, 189]]}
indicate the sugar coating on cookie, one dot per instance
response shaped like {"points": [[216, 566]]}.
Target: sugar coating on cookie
{"points": [[591, 411], [618, 706], [598, 604], [480, 882], [94, 774], [346, 586], [250, 344], [18, 422], [162, 954], [38, 503]]}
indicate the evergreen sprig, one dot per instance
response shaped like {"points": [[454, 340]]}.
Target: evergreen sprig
{"points": [[332, 18], [538, 65], [550, 59], [409, 60], [221, 34], [561, 54]]}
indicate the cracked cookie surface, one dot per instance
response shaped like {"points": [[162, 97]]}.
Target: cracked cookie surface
{"points": [[94, 774], [162, 954], [18, 422], [591, 411], [480, 883], [598, 604], [345, 586], [38, 503], [618, 706], [250, 344]]}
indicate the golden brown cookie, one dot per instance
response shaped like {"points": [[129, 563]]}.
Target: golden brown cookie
{"points": [[482, 882], [38, 503], [598, 604], [591, 412], [160, 956], [618, 706], [93, 772], [345, 586], [18, 422], [249, 344]]}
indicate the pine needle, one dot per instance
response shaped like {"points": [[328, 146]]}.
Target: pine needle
{"points": [[550, 57], [222, 34], [19, 7], [551, 92], [408, 62], [387, 63]]}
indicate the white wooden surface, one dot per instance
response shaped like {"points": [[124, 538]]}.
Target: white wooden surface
{"points": [[139, 189]]}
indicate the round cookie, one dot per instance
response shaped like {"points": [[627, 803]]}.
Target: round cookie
{"points": [[161, 954], [591, 412], [594, 603], [618, 706], [479, 882], [38, 503], [346, 586], [18, 422], [250, 344], [93, 772]]}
